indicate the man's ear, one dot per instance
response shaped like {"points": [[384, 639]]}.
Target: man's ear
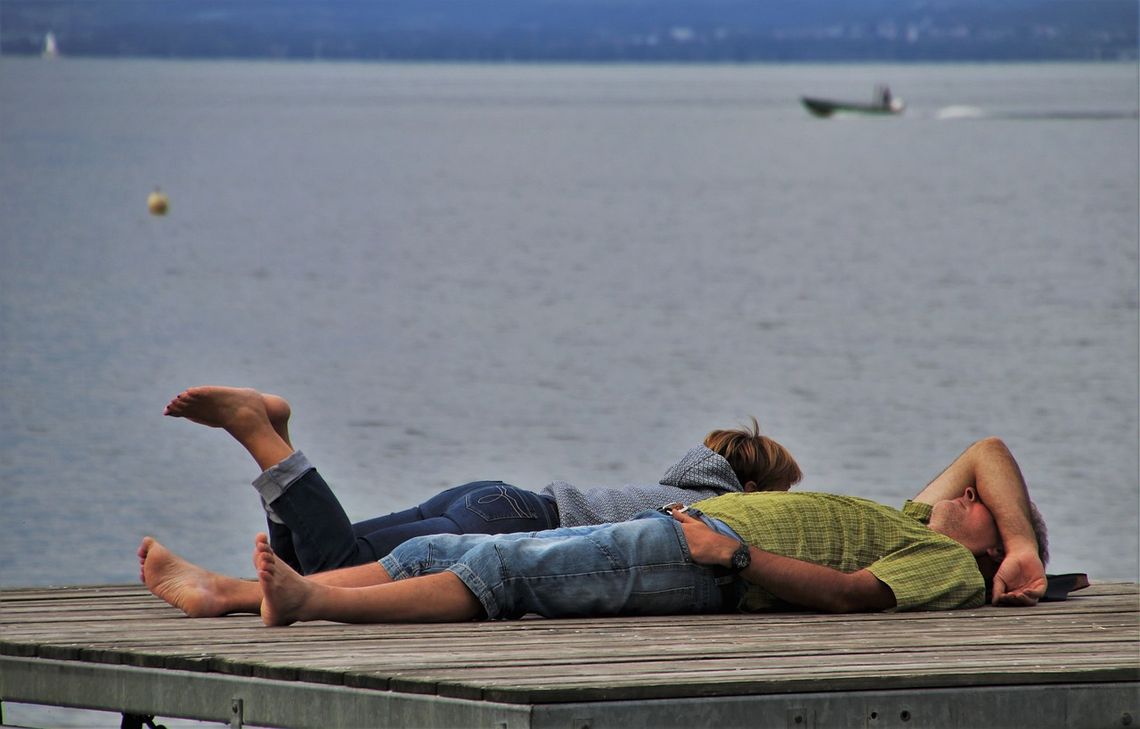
{"points": [[750, 486]]}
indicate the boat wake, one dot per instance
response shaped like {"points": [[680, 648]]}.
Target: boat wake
{"points": [[1077, 114], [974, 112], [959, 112]]}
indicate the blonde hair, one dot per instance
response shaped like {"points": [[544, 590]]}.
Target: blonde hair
{"points": [[755, 457]]}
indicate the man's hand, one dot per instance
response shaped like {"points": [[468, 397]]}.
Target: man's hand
{"points": [[1020, 579], [707, 546]]}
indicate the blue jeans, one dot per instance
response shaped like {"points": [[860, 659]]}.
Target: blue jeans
{"points": [[309, 529], [638, 567]]}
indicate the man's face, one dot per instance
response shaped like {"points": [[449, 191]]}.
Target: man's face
{"points": [[967, 520]]}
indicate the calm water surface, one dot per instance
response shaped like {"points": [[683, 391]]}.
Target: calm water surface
{"points": [[529, 273], [539, 272]]}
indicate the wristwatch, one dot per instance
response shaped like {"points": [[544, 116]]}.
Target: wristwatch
{"points": [[741, 558]]}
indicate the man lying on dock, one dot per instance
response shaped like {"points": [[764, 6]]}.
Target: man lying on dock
{"points": [[972, 529]]}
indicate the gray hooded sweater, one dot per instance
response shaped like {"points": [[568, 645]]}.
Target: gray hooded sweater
{"points": [[702, 473]]}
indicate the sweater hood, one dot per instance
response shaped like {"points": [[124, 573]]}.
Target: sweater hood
{"points": [[702, 468]]}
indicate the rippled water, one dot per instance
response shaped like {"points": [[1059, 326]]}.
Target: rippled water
{"points": [[572, 272]]}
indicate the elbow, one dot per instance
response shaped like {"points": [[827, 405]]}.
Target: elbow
{"points": [[849, 603], [861, 592], [839, 606], [992, 445]]}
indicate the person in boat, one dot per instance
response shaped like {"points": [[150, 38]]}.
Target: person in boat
{"points": [[885, 96], [311, 532], [969, 532]]}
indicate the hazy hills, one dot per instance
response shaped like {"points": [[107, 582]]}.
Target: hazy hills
{"points": [[579, 30]]}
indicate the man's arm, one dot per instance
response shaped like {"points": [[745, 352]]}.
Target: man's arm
{"points": [[792, 580], [989, 467]]}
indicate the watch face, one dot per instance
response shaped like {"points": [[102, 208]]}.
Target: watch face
{"points": [[741, 558]]}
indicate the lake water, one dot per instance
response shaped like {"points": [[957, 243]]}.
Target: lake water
{"points": [[540, 272]]}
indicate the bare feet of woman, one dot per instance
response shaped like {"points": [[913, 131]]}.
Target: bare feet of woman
{"points": [[286, 594], [231, 407], [278, 411], [195, 591], [258, 421]]}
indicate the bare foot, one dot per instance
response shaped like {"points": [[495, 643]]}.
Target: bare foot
{"points": [[286, 594], [258, 421], [230, 408], [195, 591], [278, 411]]}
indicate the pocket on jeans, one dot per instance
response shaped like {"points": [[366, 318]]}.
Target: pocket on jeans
{"points": [[499, 502]]}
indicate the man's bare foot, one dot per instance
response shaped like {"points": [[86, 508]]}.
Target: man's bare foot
{"points": [[286, 594], [195, 591]]}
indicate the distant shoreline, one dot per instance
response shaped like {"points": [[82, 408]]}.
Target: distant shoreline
{"points": [[573, 31], [585, 61]]}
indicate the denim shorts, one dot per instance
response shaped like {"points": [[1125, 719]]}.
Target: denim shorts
{"points": [[637, 567]]}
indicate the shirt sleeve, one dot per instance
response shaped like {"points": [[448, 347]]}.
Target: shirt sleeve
{"points": [[918, 511], [935, 574]]}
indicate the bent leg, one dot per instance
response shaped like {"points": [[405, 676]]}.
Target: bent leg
{"points": [[308, 526], [260, 423], [317, 535]]}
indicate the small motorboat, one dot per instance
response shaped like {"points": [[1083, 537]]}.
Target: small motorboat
{"points": [[881, 103]]}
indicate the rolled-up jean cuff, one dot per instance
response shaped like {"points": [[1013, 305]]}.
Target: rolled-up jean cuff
{"points": [[480, 589], [397, 570], [394, 568], [275, 480]]}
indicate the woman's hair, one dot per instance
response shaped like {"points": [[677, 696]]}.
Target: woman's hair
{"points": [[756, 458]]}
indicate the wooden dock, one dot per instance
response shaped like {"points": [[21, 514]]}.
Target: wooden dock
{"points": [[116, 648]]}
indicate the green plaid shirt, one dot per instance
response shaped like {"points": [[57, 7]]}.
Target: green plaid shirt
{"points": [[924, 569]]}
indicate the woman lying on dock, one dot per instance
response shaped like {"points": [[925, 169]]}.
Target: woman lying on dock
{"points": [[971, 530], [310, 531]]}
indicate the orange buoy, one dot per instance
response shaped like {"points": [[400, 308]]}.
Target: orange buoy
{"points": [[157, 202]]}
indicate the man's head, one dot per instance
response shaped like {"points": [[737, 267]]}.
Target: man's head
{"points": [[967, 520], [760, 463]]}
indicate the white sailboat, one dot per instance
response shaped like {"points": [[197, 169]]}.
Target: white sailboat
{"points": [[51, 48]]}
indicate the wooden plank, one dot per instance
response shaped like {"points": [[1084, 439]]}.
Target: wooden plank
{"points": [[231, 630]]}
